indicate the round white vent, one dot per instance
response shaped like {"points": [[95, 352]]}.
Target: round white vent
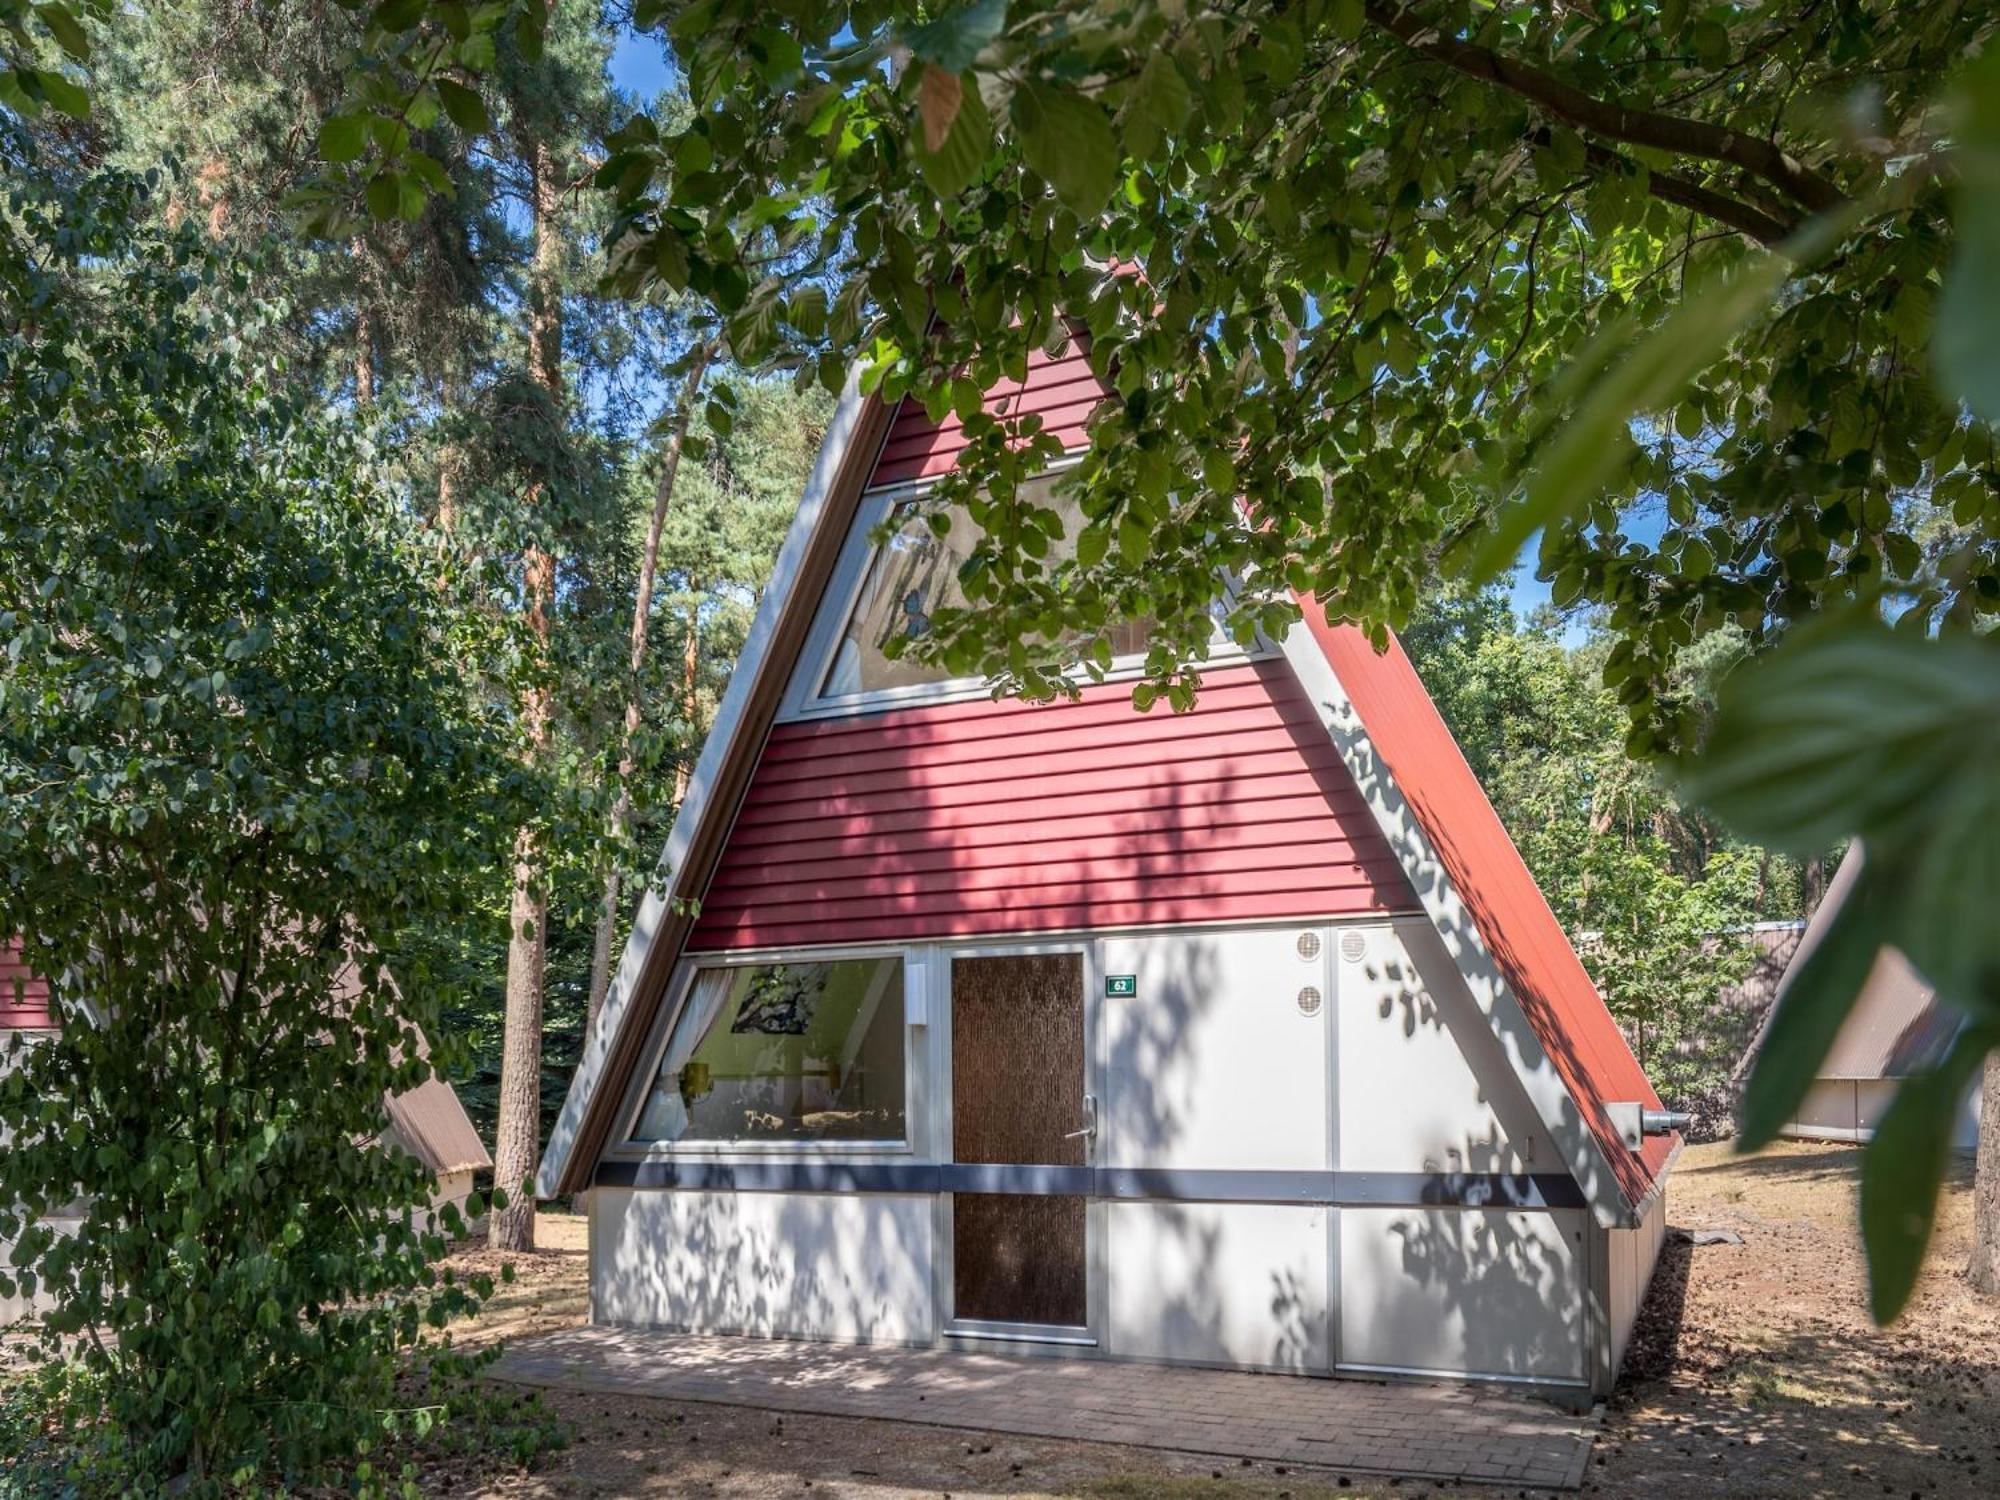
{"points": [[1353, 947], [1309, 1001], [1308, 946]]}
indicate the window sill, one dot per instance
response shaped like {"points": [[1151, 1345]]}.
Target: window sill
{"points": [[974, 689], [756, 1150]]}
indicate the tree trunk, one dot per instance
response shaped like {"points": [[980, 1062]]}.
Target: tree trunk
{"points": [[1985, 1267], [517, 1142], [451, 467], [364, 359], [364, 335], [642, 609], [690, 678]]}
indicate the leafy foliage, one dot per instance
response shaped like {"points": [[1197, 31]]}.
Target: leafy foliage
{"points": [[238, 760], [41, 43], [1363, 240]]}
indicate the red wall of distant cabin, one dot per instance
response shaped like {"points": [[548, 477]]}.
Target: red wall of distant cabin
{"points": [[962, 819], [24, 997]]}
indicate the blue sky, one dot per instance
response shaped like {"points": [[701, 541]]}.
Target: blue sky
{"points": [[639, 65]]}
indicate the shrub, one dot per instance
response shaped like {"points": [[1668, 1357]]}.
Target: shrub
{"points": [[250, 732]]}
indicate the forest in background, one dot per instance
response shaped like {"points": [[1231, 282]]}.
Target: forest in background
{"points": [[505, 400]]}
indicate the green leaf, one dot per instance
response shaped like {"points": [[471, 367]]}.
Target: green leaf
{"points": [[531, 32], [15, 97], [953, 41], [466, 109], [1905, 1165], [1067, 139], [1967, 343], [398, 16], [1848, 727], [1818, 992], [65, 95], [1157, 108], [805, 310], [66, 29], [343, 137], [1953, 863], [960, 156], [753, 329], [384, 194]]}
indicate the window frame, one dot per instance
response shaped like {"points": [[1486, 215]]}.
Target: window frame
{"points": [[627, 1147], [802, 698]]}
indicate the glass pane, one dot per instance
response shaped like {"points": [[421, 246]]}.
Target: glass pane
{"points": [[806, 1051], [1017, 1060], [1017, 1097], [1019, 1259], [912, 576]]}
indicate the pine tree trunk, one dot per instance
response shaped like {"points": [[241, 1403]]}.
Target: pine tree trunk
{"points": [[517, 1142], [642, 609], [451, 467], [690, 678], [364, 359], [1985, 1267]]}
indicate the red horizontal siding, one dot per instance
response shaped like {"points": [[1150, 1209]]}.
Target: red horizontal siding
{"points": [[1584, 1044], [24, 996], [978, 818], [1061, 389]]}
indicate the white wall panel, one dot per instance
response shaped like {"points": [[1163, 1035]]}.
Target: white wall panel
{"points": [[1472, 1291], [1235, 1284], [1829, 1105], [802, 1265], [1424, 1086], [1211, 1064]]}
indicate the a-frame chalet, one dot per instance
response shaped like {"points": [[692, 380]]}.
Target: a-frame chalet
{"points": [[1238, 1037]]}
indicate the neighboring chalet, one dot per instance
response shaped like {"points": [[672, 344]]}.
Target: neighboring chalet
{"points": [[427, 1121], [1898, 1028], [1238, 1037]]}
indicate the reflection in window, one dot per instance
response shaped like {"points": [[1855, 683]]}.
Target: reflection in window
{"points": [[802, 1051], [912, 576]]}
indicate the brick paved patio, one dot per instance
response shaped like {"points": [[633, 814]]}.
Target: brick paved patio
{"points": [[1474, 1433]]}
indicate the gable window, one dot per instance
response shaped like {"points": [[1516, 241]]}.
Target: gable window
{"points": [[784, 1052], [913, 575]]}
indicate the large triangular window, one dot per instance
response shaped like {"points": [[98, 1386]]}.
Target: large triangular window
{"points": [[912, 576], [892, 592]]}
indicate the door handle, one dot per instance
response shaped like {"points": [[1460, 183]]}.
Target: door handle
{"points": [[1089, 1130]]}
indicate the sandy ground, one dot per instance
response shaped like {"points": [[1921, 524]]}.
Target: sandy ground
{"points": [[1755, 1373]]}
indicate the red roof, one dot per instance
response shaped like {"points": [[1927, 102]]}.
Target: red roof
{"points": [[1520, 931]]}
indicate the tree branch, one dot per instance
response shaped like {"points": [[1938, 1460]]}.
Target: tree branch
{"points": [[1634, 127], [1672, 188]]}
